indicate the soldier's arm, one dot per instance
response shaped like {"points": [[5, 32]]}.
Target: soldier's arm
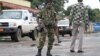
{"points": [[40, 22], [55, 17], [39, 18]]}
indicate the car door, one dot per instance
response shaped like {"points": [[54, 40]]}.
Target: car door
{"points": [[26, 22], [31, 22]]}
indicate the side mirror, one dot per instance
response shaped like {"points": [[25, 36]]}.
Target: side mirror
{"points": [[26, 18]]}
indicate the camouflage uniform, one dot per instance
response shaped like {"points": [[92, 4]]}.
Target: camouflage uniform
{"points": [[48, 30], [79, 16], [46, 25]]}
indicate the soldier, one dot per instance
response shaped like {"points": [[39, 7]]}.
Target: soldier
{"points": [[79, 16], [46, 22]]}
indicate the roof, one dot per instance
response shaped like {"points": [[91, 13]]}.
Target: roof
{"points": [[15, 6]]}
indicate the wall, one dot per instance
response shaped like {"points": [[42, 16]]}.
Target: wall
{"points": [[18, 2]]}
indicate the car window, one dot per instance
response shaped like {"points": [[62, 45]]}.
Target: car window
{"points": [[11, 15], [63, 22]]}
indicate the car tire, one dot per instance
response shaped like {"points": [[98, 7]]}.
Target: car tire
{"points": [[32, 35], [15, 36], [12, 38], [70, 33]]}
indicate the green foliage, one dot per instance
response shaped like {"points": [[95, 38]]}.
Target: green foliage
{"points": [[58, 4], [67, 12], [94, 14], [97, 15], [91, 14], [36, 3]]}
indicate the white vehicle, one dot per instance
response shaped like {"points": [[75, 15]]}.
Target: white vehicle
{"points": [[63, 27], [17, 23]]}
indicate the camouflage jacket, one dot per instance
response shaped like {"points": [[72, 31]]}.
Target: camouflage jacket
{"points": [[48, 16], [78, 14]]}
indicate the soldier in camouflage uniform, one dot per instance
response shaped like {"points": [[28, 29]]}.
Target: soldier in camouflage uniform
{"points": [[79, 16], [46, 27]]}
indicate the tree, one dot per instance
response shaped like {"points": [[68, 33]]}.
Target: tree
{"points": [[67, 12], [93, 13], [97, 15], [58, 4], [37, 3]]}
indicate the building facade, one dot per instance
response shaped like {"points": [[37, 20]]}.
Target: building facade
{"points": [[18, 4]]}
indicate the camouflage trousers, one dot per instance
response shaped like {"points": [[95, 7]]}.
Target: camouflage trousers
{"points": [[48, 33]]}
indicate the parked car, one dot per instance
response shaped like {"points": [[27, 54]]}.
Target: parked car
{"points": [[96, 26], [17, 23], [63, 27]]}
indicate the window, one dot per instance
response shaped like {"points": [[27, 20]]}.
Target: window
{"points": [[11, 15]]}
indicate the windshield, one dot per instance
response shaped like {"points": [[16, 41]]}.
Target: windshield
{"points": [[63, 22], [11, 15]]}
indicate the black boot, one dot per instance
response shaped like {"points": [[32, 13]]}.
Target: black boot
{"points": [[39, 52], [48, 52]]}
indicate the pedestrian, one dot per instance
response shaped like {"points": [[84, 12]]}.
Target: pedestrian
{"points": [[46, 23], [57, 38], [78, 18], [57, 35]]}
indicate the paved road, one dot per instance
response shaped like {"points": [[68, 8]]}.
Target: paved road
{"points": [[91, 47]]}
